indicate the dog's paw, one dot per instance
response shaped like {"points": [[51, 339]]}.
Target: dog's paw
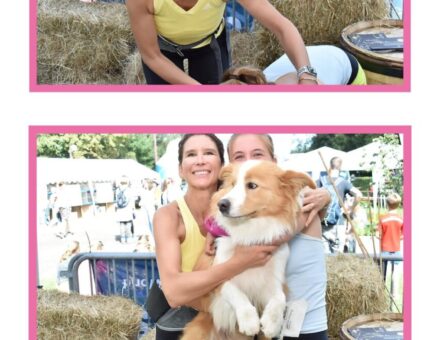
{"points": [[248, 320], [272, 321]]}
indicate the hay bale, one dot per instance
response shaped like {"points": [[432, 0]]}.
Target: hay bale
{"points": [[354, 286], [73, 316], [319, 22], [243, 48], [133, 73], [82, 43], [150, 336]]}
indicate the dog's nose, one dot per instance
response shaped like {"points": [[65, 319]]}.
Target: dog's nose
{"points": [[224, 205]]}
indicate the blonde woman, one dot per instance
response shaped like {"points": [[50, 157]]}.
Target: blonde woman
{"points": [[306, 270]]}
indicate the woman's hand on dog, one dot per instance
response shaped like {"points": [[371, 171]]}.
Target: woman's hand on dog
{"points": [[210, 245], [246, 257], [315, 202]]}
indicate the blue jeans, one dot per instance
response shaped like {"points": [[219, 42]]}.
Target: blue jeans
{"points": [[385, 263]]}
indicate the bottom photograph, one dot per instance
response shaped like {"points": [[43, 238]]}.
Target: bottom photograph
{"points": [[220, 232]]}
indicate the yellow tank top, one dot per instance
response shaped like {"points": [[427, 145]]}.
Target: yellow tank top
{"points": [[194, 242], [186, 27]]}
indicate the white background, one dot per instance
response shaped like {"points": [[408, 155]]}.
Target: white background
{"points": [[19, 109]]}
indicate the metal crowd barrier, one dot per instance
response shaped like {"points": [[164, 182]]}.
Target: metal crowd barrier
{"points": [[124, 274]]}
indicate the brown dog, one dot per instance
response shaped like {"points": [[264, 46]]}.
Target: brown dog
{"points": [[257, 204]]}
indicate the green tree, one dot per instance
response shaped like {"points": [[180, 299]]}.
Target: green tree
{"points": [[104, 146], [344, 142]]}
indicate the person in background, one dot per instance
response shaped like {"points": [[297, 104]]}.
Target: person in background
{"points": [[170, 191], [62, 210], [334, 223], [147, 202], [125, 210], [390, 229], [73, 248]]}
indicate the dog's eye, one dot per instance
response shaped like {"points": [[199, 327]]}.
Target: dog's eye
{"points": [[251, 185]]}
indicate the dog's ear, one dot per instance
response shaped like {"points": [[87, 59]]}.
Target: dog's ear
{"points": [[226, 173], [297, 180]]}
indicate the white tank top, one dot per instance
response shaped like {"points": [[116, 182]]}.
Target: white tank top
{"points": [[307, 279]]}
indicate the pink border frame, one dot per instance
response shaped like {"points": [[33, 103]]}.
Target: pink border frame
{"points": [[34, 87], [34, 131]]}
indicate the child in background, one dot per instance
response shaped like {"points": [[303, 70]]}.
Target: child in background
{"points": [[391, 229]]}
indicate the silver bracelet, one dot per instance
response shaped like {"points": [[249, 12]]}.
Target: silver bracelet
{"points": [[307, 69]]}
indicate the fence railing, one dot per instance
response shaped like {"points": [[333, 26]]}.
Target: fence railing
{"points": [[131, 274]]}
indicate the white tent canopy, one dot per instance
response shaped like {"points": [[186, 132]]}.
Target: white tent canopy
{"points": [[53, 170], [362, 158], [365, 157], [311, 161]]}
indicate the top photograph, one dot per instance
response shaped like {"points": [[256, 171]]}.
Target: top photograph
{"points": [[175, 45]]}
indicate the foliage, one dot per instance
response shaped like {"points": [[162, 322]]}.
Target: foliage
{"points": [[392, 178], [301, 144], [343, 142], [362, 183], [104, 146]]}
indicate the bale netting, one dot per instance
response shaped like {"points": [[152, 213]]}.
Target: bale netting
{"points": [[73, 316], [82, 43], [354, 286], [319, 22]]}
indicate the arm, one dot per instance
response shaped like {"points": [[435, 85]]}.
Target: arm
{"points": [[357, 194], [285, 31], [313, 228], [181, 288], [141, 15]]}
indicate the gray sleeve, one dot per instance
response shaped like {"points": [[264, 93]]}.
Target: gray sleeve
{"points": [[347, 188]]}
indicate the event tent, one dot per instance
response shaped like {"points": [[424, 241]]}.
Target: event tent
{"points": [[54, 170], [367, 156], [311, 161]]}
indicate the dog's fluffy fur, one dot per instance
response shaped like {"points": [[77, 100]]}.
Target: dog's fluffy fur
{"points": [[257, 203]]}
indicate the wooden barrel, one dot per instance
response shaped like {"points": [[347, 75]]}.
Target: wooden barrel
{"points": [[381, 325], [378, 46]]}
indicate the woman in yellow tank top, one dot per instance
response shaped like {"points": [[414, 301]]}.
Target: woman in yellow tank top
{"points": [[179, 233], [177, 35]]}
